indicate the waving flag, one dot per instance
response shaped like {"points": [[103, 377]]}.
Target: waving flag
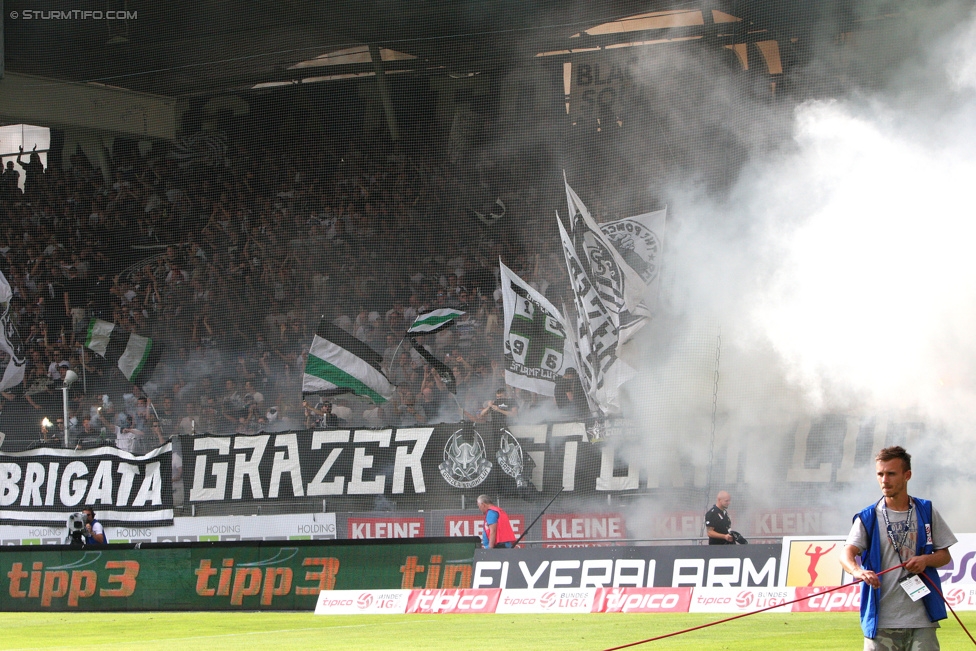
{"points": [[340, 363], [10, 343], [442, 369], [135, 355], [597, 334], [620, 287], [434, 321], [536, 348], [640, 242]]}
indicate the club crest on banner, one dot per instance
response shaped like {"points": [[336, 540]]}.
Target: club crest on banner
{"points": [[511, 458], [465, 463], [639, 246], [605, 271]]}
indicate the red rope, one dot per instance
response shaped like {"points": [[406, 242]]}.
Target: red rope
{"points": [[754, 612], [946, 601]]}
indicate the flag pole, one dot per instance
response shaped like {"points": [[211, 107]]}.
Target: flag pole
{"points": [[396, 352], [84, 369], [561, 489], [458, 403]]}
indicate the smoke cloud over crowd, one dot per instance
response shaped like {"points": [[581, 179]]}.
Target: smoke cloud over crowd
{"points": [[833, 280]]}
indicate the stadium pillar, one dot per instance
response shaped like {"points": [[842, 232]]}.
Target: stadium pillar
{"points": [[384, 88]]}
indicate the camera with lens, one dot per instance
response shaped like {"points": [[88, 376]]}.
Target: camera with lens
{"points": [[76, 530]]}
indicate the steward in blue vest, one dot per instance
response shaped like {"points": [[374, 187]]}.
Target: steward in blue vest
{"points": [[899, 536], [871, 560]]}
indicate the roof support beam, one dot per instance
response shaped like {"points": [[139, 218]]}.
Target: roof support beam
{"points": [[49, 102], [384, 87]]}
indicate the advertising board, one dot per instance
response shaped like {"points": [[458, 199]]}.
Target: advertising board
{"points": [[222, 576], [617, 567]]}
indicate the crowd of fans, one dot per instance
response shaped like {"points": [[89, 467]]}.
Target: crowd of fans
{"points": [[230, 265]]}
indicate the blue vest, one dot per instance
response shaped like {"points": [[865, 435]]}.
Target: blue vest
{"points": [[90, 540], [871, 560]]}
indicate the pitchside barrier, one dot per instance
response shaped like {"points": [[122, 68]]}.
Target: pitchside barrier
{"points": [[223, 575], [601, 600], [584, 600]]}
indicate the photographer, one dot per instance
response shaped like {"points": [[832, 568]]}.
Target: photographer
{"points": [[321, 415], [94, 531]]}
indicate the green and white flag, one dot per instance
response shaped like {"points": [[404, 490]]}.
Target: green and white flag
{"points": [[434, 321], [537, 351], [135, 355], [340, 363]]}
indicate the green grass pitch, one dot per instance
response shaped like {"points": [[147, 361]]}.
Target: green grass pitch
{"points": [[280, 631]]}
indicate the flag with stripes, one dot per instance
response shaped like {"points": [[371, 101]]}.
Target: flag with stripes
{"points": [[340, 363], [434, 321], [135, 355], [10, 342]]}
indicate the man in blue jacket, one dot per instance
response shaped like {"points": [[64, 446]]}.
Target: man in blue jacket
{"points": [[900, 609]]}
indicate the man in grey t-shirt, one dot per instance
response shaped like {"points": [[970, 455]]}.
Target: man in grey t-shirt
{"points": [[887, 536]]}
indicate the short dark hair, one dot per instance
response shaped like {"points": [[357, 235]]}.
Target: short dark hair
{"points": [[895, 452]]}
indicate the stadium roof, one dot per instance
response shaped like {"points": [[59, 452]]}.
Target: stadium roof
{"points": [[204, 47]]}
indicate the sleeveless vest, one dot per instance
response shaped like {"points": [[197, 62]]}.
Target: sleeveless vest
{"points": [[503, 529], [871, 560]]}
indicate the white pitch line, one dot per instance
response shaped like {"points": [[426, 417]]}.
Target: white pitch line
{"points": [[75, 647]]}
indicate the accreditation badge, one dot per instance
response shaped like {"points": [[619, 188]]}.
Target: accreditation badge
{"points": [[914, 587]]}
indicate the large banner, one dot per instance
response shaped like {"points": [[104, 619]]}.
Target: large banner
{"points": [[222, 576], [419, 467], [47, 484], [715, 566]]}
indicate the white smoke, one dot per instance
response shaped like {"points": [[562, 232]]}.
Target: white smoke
{"points": [[837, 276]]}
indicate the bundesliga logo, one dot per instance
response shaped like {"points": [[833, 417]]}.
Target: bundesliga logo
{"points": [[955, 596]]}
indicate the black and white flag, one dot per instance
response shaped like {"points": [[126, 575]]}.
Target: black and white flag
{"points": [[597, 334], [640, 242], [536, 348], [490, 217], [620, 287], [10, 342], [442, 369]]}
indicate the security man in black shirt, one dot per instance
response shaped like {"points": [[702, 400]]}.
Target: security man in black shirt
{"points": [[717, 521]]}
